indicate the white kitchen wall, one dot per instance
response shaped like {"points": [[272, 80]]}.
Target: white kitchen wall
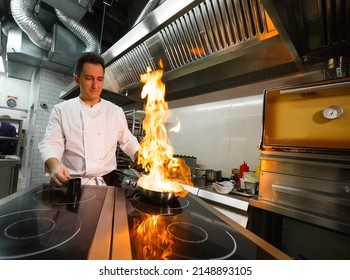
{"points": [[223, 129], [49, 84], [19, 89], [45, 86], [221, 135]]}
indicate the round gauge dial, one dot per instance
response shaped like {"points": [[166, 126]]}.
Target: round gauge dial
{"points": [[332, 112], [11, 103]]}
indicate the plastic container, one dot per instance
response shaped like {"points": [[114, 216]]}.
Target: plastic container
{"points": [[235, 176], [243, 168]]}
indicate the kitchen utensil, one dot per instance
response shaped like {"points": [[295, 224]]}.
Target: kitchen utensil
{"points": [[73, 193], [251, 188], [199, 172], [235, 177], [211, 175], [218, 175], [250, 182], [159, 196], [223, 187]]}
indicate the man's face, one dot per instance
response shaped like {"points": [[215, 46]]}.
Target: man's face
{"points": [[90, 82]]}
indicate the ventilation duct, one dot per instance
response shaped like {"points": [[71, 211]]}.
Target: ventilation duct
{"points": [[82, 32], [23, 14], [56, 50]]}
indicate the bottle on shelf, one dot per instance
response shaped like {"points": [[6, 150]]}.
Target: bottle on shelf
{"points": [[243, 168]]}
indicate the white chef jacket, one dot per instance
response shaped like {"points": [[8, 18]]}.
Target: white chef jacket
{"points": [[85, 138]]}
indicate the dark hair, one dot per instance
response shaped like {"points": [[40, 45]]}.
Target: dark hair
{"points": [[88, 57]]}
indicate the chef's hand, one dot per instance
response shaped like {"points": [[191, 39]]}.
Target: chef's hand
{"points": [[59, 174], [135, 165]]}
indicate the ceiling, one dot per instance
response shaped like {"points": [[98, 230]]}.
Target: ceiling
{"points": [[112, 21], [205, 45]]}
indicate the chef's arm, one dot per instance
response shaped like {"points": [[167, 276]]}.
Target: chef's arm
{"points": [[135, 165], [58, 173]]}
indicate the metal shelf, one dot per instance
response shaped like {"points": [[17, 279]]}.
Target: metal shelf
{"points": [[18, 124], [134, 119]]}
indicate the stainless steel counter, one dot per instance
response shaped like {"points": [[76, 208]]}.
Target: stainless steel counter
{"points": [[233, 205], [9, 169]]}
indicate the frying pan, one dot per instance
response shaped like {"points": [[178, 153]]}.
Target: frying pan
{"points": [[159, 196]]}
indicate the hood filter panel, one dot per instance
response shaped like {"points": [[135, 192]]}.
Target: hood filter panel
{"points": [[208, 30]]}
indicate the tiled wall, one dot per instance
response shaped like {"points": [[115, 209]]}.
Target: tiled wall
{"points": [[21, 91], [48, 91], [223, 129], [44, 87], [221, 135]]}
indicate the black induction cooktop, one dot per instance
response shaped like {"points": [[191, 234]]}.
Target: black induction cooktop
{"points": [[184, 229], [45, 223]]}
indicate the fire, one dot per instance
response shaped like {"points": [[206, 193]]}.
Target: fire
{"points": [[197, 51], [177, 127], [153, 242], [165, 172]]}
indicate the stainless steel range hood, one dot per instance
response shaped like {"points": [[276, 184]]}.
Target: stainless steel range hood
{"points": [[202, 50], [314, 30], [216, 44]]}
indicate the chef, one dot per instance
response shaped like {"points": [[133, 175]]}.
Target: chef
{"points": [[82, 134]]}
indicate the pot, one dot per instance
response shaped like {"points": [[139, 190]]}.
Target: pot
{"points": [[218, 175], [211, 175]]}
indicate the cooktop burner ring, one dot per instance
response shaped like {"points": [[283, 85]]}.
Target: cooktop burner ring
{"points": [[212, 232], [57, 196], [64, 227], [200, 232], [12, 228], [183, 239]]}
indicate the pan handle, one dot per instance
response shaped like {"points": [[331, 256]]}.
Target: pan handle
{"points": [[138, 174]]}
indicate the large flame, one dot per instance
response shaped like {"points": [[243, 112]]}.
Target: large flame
{"points": [[165, 171], [177, 127], [153, 242]]}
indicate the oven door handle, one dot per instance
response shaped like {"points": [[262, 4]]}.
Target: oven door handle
{"points": [[314, 195], [311, 88]]}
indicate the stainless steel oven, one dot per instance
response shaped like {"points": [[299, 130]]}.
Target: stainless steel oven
{"points": [[305, 157], [311, 118]]}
